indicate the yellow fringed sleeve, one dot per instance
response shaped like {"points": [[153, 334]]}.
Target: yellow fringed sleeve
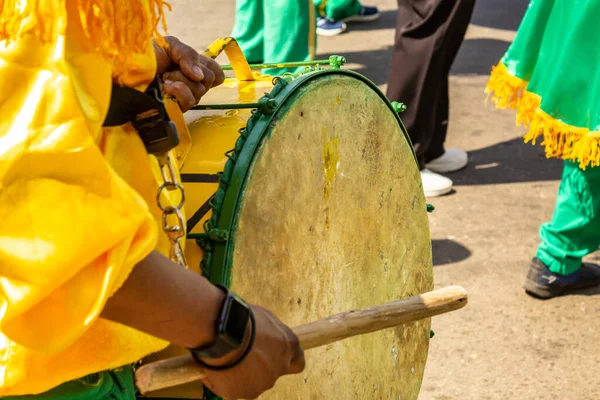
{"points": [[75, 199], [560, 140]]}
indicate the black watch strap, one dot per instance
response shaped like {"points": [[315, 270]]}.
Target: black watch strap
{"points": [[231, 328], [236, 361]]}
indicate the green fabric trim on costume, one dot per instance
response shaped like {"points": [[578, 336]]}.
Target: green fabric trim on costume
{"points": [[556, 50], [117, 384], [337, 10], [574, 231]]}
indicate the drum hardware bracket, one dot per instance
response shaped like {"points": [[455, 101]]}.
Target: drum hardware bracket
{"points": [[337, 62], [278, 84], [267, 105], [398, 107], [215, 235]]}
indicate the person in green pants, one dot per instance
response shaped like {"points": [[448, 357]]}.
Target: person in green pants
{"points": [[275, 31], [573, 233], [333, 15], [549, 75]]}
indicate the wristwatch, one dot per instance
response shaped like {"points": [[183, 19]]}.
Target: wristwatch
{"points": [[231, 330]]}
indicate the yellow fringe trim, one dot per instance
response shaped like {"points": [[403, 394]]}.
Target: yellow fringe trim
{"points": [[560, 140], [114, 28]]}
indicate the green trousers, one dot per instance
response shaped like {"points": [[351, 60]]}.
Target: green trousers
{"points": [[275, 31], [574, 231], [337, 10], [107, 385]]}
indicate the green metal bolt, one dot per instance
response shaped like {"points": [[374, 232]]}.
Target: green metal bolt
{"points": [[218, 235], [336, 62], [267, 105], [398, 107], [430, 208], [431, 333]]}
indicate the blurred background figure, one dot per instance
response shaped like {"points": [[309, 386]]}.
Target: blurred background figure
{"points": [[428, 36], [333, 15], [274, 31]]}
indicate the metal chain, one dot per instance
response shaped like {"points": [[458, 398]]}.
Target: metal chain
{"points": [[175, 232]]}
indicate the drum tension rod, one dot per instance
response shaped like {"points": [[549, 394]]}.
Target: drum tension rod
{"points": [[334, 62], [265, 104], [225, 106], [281, 65]]}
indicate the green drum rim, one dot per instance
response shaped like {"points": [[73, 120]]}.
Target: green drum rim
{"points": [[217, 242]]}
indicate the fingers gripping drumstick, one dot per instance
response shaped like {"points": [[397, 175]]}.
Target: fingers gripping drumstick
{"points": [[180, 370]]}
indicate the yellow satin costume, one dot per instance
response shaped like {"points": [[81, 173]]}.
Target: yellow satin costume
{"points": [[77, 201]]}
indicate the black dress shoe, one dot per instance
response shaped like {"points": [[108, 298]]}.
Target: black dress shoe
{"points": [[544, 284]]}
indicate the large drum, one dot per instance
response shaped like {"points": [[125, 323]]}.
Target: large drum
{"points": [[308, 201]]}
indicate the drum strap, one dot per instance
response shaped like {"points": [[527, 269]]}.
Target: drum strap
{"points": [[147, 113]]}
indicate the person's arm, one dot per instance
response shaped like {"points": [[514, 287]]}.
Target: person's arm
{"points": [[167, 301]]}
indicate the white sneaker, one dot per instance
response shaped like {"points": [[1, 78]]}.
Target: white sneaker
{"points": [[452, 160], [435, 185]]}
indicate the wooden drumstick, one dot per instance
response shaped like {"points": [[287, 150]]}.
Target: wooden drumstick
{"points": [[180, 370]]}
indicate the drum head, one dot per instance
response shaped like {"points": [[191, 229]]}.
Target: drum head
{"points": [[326, 213]]}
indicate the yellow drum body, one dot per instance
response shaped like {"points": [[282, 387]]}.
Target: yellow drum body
{"points": [[321, 211], [214, 133]]}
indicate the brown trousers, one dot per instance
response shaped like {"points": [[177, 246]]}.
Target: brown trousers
{"points": [[428, 36]]}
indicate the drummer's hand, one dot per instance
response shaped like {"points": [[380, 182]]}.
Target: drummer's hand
{"points": [[186, 75], [276, 352]]}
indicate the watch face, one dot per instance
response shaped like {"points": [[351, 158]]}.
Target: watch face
{"points": [[236, 322]]}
